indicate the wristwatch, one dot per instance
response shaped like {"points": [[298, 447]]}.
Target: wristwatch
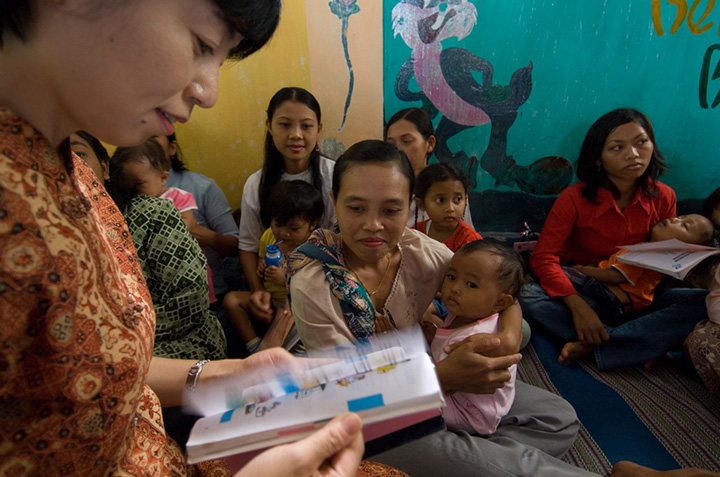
{"points": [[194, 375]]}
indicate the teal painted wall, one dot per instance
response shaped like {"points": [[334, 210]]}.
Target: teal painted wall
{"points": [[588, 57]]}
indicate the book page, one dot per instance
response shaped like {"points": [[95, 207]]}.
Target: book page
{"points": [[672, 244], [402, 388], [676, 263], [323, 366]]}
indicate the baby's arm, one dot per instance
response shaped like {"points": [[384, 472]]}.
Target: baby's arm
{"points": [[189, 219], [603, 275], [509, 332], [430, 323]]}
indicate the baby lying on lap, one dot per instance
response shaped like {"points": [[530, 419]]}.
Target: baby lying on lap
{"points": [[631, 289]]}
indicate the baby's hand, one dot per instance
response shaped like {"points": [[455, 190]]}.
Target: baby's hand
{"points": [[430, 322], [261, 306], [261, 268], [429, 328], [382, 324], [275, 274]]}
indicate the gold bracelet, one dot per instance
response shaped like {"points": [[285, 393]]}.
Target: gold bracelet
{"points": [[194, 374]]}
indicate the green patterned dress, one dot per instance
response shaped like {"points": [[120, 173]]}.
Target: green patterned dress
{"points": [[175, 269]]}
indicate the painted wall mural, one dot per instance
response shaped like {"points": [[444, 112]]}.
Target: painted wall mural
{"points": [[343, 9], [514, 85], [687, 16], [345, 57], [447, 85]]}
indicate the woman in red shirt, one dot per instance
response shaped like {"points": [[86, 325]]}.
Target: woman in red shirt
{"points": [[616, 202]]}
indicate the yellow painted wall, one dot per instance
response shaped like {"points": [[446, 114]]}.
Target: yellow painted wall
{"points": [[226, 142], [329, 72]]}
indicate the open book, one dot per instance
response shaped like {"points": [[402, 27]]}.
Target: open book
{"points": [[671, 257], [390, 382]]}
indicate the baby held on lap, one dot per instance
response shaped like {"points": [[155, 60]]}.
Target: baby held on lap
{"points": [[634, 286], [483, 279]]}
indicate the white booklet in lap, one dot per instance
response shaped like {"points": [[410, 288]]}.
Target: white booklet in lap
{"points": [[671, 257], [382, 380]]}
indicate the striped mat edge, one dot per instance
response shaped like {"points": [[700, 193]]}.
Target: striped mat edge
{"points": [[585, 452], [680, 412]]}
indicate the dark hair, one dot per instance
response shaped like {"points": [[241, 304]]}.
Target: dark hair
{"points": [[511, 272], [439, 172], [150, 150], [121, 188], [15, 17], [274, 164], [97, 147], [291, 199], [372, 151], [711, 203], [419, 117], [587, 169], [255, 21], [714, 240], [176, 162]]}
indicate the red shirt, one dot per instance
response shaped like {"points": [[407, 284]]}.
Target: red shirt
{"points": [[463, 234], [578, 231]]}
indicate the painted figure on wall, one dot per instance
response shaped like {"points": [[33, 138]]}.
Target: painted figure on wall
{"points": [[343, 9], [448, 87]]}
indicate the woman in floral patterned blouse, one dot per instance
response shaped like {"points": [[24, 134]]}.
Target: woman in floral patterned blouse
{"points": [[76, 320]]}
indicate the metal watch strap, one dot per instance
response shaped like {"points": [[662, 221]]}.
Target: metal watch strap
{"points": [[194, 374]]}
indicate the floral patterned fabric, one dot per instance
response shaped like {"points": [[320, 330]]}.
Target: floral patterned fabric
{"points": [[325, 246], [76, 324], [176, 271], [703, 348], [375, 469]]}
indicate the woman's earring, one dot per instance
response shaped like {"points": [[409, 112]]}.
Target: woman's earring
{"points": [[599, 167], [317, 147]]}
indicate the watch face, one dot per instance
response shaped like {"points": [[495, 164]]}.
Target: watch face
{"points": [[193, 373]]}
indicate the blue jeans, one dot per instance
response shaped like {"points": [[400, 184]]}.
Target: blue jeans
{"points": [[634, 339]]}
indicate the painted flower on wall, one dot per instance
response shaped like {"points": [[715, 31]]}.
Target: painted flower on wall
{"points": [[343, 9]]}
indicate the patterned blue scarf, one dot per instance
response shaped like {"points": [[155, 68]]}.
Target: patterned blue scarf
{"points": [[325, 246]]}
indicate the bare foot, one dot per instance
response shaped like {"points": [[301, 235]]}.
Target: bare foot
{"points": [[573, 351], [625, 468], [628, 469], [650, 365]]}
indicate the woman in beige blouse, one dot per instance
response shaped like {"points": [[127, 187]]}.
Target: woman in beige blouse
{"points": [[393, 271], [377, 274]]}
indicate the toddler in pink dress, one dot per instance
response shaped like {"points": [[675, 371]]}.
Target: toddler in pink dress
{"points": [[483, 279]]}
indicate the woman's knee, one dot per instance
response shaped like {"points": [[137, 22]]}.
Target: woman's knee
{"points": [[703, 348]]}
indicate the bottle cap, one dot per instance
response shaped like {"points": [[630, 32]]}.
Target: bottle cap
{"points": [[272, 248]]}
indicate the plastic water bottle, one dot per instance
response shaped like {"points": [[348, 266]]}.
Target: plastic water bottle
{"points": [[272, 256]]}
